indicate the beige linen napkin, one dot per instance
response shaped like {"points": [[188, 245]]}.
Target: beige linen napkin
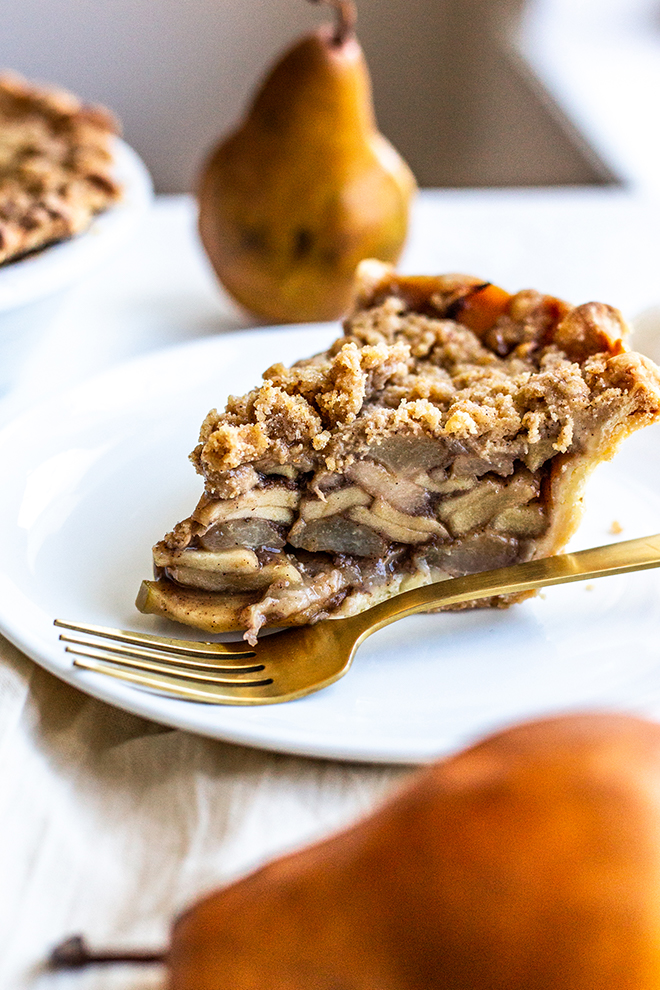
{"points": [[110, 824]]}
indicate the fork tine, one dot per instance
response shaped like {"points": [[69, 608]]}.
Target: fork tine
{"points": [[249, 678], [174, 687], [295, 662], [221, 662], [264, 693], [188, 647]]}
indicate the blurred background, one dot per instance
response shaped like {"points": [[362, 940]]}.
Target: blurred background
{"points": [[472, 92]]}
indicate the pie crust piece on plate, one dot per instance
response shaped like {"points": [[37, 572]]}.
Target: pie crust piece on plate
{"points": [[450, 430], [55, 165]]}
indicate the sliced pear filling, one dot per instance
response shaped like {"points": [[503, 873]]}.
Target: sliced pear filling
{"points": [[492, 497], [397, 526], [238, 568], [380, 513], [245, 532], [274, 502], [334, 503], [248, 544], [337, 534], [399, 492], [436, 438]]}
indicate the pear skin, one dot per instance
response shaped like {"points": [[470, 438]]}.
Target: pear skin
{"points": [[305, 188], [529, 862]]}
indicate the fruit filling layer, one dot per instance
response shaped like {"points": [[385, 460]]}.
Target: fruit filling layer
{"points": [[450, 430]]}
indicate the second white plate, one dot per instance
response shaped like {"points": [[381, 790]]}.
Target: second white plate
{"points": [[94, 479]]}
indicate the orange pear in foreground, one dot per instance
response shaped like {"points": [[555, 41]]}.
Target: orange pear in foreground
{"points": [[306, 187], [529, 862]]}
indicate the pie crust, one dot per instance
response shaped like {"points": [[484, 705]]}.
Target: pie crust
{"points": [[55, 166], [450, 430]]}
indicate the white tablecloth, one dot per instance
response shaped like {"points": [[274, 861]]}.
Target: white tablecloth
{"points": [[111, 824]]}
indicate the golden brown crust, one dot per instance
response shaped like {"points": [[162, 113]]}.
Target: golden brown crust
{"points": [[55, 165], [204, 610], [215, 612]]}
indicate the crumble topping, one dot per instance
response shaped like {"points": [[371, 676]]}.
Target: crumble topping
{"points": [[55, 165], [526, 379]]}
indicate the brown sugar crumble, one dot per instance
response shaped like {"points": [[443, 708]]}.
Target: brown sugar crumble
{"points": [[400, 371]]}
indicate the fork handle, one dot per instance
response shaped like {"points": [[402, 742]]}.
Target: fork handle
{"points": [[615, 558]]}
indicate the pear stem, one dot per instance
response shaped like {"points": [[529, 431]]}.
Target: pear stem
{"points": [[74, 953], [346, 19]]}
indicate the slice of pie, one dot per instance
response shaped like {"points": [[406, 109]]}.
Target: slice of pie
{"points": [[55, 166], [450, 430]]}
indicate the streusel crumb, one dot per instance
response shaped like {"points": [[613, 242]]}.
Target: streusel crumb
{"points": [[397, 370]]}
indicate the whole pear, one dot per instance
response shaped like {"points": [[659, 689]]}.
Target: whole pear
{"points": [[306, 187], [529, 862]]}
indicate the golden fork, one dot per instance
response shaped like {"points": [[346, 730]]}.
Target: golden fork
{"points": [[298, 661]]}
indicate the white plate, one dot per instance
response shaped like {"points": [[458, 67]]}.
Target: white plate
{"points": [[97, 476]]}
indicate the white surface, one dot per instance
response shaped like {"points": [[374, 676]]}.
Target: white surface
{"points": [[110, 825], [179, 75], [600, 61], [105, 474]]}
